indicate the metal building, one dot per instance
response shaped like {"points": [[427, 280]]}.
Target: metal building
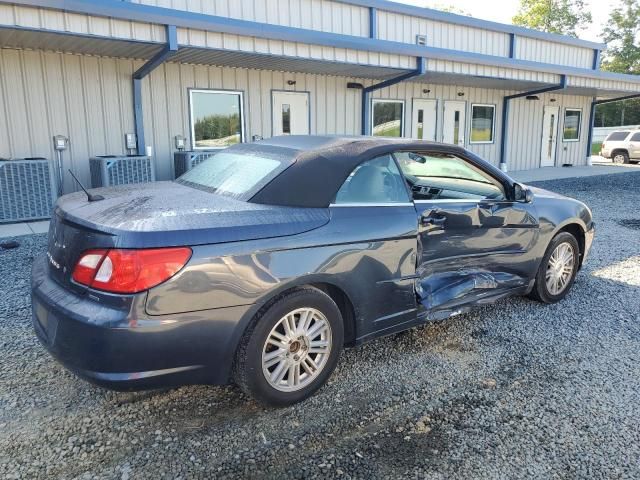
{"points": [[216, 72]]}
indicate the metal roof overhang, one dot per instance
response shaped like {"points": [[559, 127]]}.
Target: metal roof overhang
{"points": [[29, 38], [32, 39], [185, 19], [26, 38]]}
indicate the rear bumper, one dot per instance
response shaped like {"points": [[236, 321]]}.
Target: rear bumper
{"points": [[122, 348]]}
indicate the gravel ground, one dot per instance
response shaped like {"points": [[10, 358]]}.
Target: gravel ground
{"points": [[512, 390]]}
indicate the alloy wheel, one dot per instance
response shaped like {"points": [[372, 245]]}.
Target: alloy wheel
{"points": [[560, 268], [619, 158], [296, 349]]}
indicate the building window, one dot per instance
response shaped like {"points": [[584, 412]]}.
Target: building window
{"points": [[483, 119], [216, 118], [387, 118], [571, 131]]}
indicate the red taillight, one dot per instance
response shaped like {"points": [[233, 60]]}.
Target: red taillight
{"points": [[129, 271]]}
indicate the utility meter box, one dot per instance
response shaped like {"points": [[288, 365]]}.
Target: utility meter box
{"points": [[130, 141]]}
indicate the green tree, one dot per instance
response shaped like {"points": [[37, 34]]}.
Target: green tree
{"points": [[554, 16], [622, 36]]}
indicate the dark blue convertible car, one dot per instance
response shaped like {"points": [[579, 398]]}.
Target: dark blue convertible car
{"points": [[259, 265]]}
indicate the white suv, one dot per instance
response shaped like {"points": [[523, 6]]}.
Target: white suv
{"points": [[622, 146]]}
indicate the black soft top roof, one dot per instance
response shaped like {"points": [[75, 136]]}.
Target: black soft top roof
{"points": [[319, 165]]}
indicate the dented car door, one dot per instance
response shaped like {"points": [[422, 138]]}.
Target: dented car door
{"points": [[475, 248]]}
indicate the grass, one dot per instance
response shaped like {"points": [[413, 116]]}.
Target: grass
{"points": [[393, 131], [595, 148], [481, 135]]}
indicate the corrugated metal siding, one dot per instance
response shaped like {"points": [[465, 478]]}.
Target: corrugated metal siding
{"points": [[409, 90], [224, 41], [525, 124], [492, 72], [334, 108], [601, 84], [41, 18], [403, 28], [549, 52], [89, 99], [321, 15]]}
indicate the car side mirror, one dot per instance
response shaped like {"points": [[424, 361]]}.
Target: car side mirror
{"points": [[522, 193]]}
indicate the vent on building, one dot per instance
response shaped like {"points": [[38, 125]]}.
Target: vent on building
{"points": [[25, 190], [185, 161], [111, 170], [421, 40]]}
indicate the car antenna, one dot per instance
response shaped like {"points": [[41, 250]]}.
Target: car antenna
{"points": [[90, 196]]}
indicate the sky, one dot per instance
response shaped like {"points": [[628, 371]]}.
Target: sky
{"points": [[503, 10]]}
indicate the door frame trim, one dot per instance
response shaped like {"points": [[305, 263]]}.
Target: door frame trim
{"points": [[555, 153], [281, 90], [437, 123], [464, 126]]}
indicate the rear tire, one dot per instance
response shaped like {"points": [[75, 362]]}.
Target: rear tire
{"points": [[291, 348], [620, 157], [557, 270]]}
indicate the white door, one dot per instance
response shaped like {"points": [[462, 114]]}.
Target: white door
{"points": [[424, 119], [549, 136], [453, 122], [290, 113]]}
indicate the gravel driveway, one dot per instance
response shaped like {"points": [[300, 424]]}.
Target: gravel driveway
{"points": [[516, 389]]}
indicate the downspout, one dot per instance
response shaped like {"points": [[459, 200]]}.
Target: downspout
{"points": [[366, 104], [167, 51], [505, 115], [592, 116]]}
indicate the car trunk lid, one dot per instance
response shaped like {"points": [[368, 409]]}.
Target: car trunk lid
{"points": [[163, 214]]}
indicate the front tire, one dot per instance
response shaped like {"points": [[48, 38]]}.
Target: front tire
{"points": [[558, 269], [291, 348], [620, 158]]}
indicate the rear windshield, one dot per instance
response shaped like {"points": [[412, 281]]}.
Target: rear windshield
{"points": [[238, 175], [617, 136]]}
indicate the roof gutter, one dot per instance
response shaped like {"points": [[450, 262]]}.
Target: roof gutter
{"points": [[366, 124], [592, 116], [168, 51], [505, 115]]}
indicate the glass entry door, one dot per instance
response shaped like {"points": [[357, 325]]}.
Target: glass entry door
{"points": [[453, 128], [290, 113]]}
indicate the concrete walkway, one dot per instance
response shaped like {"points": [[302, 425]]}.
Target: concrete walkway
{"points": [[25, 228], [555, 173]]}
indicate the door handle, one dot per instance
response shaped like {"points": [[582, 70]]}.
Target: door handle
{"points": [[434, 217]]}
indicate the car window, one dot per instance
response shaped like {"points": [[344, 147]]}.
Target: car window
{"points": [[443, 176], [375, 181], [232, 174], [617, 136], [635, 138]]}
